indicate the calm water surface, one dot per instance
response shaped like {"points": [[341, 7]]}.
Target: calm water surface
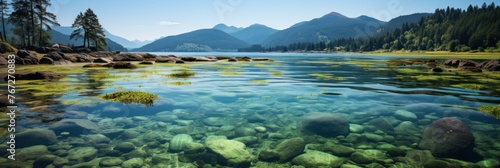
{"points": [[278, 94]]}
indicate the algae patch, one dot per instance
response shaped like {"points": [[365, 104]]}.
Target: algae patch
{"points": [[493, 110], [276, 74], [129, 97], [326, 76], [259, 82], [179, 83], [181, 73], [469, 86]]}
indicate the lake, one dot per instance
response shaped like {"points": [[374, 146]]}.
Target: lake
{"points": [[264, 105]]}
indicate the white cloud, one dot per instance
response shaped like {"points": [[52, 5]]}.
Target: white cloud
{"points": [[168, 23]]}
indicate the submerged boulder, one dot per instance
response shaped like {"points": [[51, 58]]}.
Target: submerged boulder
{"points": [[74, 126], [448, 137], [230, 152], [35, 136], [325, 124]]}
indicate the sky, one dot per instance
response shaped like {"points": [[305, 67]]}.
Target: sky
{"points": [[152, 19]]}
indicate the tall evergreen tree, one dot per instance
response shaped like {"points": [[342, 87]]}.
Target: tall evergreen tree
{"points": [[20, 17], [88, 24], [3, 13], [46, 20]]}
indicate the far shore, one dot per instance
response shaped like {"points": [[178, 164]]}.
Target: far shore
{"points": [[437, 54]]}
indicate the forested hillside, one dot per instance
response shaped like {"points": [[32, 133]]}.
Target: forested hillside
{"points": [[450, 29]]}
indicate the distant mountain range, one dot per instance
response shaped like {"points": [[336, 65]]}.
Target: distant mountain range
{"points": [[329, 27], [199, 40], [229, 38], [119, 40], [61, 38]]}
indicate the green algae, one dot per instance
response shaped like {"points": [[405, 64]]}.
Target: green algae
{"points": [[493, 110], [436, 77], [327, 76], [259, 82], [179, 83], [129, 97], [408, 70], [181, 73], [276, 74], [230, 72], [78, 101], [469, 86]]}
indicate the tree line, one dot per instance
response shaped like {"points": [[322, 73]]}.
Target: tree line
{"points": [[456, 30], [32, 24]]}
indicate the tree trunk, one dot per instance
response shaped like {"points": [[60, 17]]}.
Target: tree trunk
{"points": [[3, 27], [32, 11]]}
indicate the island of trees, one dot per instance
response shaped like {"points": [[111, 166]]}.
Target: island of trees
{"points": [[450, 29]]}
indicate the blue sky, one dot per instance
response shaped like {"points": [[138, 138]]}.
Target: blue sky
{"points": [[151, 19]]}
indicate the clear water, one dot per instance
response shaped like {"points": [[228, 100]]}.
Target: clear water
{"points": [[357, 87]]}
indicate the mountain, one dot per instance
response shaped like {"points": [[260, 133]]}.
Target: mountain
{"points": [[120, 40], [227, 29], [198, 40], [254, 34], [58, 37], [398, 21], [329, 27]]}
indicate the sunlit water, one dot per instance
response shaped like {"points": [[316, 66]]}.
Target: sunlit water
{"points": [[360, 88]]}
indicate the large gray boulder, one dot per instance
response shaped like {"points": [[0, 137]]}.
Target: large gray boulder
{"points": [[75, 126], [325, 124], [448, 137], [37, 136], [230, 152], [128, 57]]}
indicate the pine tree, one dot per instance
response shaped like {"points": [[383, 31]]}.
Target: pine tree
{"points": [[88, 24], [3, 12], [46, 19]]}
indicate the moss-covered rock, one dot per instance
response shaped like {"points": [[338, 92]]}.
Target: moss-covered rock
{"points": [[6, 47], [181, 73], [129, 97]]}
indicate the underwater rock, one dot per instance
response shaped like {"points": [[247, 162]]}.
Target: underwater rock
{"points": [[179, 142], [96, 139], [40, 75], [82, 154], [214, 121], [489, 163], [260, 129], [317, 159], [31, 153], [448, 137], [256, 118], [245, 131], [194, 148], [406, 128], [110, 161], [290, 148], [325, 124], [338, 150], [60, 162], [356, 128], [269, 155], [133, 163], [44, 161], [125, 147], [405, 115], [368, 156], [382, 124], [74, 126], [230, 152], [247, 140], [35, 136], [373, 137]]}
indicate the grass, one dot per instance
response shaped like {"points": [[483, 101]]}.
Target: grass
{"points": [[129, 97]]}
